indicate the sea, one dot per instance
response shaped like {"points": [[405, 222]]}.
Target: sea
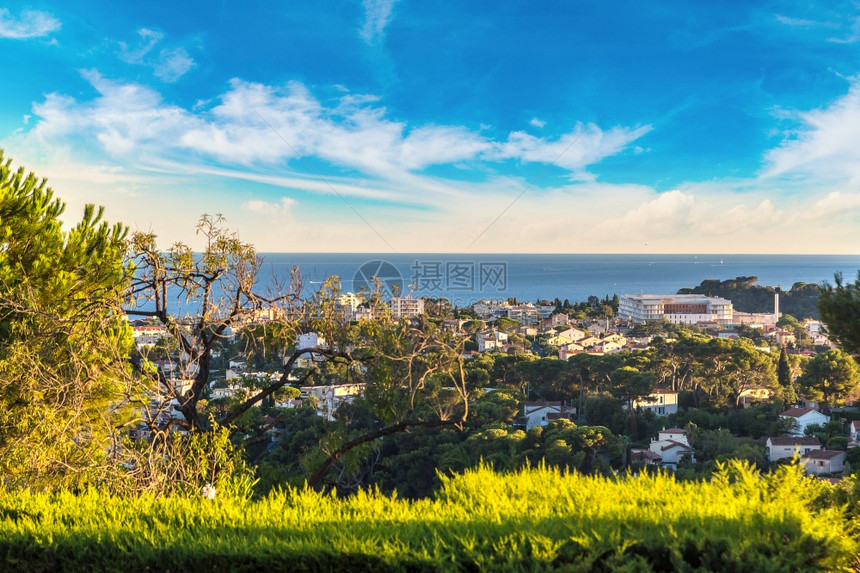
{"points": [[465, 279]]}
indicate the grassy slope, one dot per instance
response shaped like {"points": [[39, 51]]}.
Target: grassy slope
{"points": [[535, 520]]}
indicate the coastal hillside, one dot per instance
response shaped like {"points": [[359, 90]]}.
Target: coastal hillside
{"points": [[801, 301]]}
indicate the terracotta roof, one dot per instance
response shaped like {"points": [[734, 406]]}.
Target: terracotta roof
{"points": [[674, 444], [823, 454], [796, 412], [856, 425], [783, 441]]}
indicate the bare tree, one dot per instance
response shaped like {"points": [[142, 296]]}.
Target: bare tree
{"points": [[412, 370]]}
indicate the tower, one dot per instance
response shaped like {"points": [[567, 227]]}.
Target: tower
{"points": [[775, 307]]}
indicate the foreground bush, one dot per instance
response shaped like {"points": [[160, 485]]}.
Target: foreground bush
{"points": [[534, 520]]}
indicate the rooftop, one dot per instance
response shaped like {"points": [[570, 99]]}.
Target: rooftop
{"points": [[797, 412], [788, 441], [675, 298], [823, 454]]}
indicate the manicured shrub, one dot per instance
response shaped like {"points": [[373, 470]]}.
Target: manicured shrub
{"points": [[533, 520]]}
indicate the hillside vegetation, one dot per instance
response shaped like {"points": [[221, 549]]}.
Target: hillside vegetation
{"points": [[800, 301], [533, 520]]}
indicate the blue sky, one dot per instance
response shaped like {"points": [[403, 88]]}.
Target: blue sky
{"points": [[383, 125]]}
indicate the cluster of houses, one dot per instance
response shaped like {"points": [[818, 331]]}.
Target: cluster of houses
{"points": [[672, 445], [568, 337]]}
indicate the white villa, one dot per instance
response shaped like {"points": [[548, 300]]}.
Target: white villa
{"points": [[780, 448], [804, 417], [542, 413], [330, 398], [490, 340], [672, 446], [661, 402], [824, 462]]}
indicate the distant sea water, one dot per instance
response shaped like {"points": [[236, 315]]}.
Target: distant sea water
{"points": [[464, 279]]}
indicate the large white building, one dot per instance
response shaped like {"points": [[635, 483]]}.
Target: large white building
{"points": [[676, 308], [406, 307]]}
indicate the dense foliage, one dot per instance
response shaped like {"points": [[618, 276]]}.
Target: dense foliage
{"points": [[533, 520], [746, 296], [840, 310], [64, 379]]}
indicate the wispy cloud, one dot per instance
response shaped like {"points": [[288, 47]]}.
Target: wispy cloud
{"points": [[168, 64], [147, 39], [802, 22], [28, 24], [383, 164], [361, 151], [132, 121], [838, 23], [377, 15], [824, 143], [583, 146]]}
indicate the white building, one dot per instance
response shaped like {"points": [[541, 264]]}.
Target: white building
{"points": [[491, 309], [305, 341], [406, 307], [804, 417], [330, 398], [780, 448], [525, 314], [145, 335], [853, 431], [823, 462], [490, 340], [676, 308], [542, 413], [661, 402], [348, 304], [672, 446]]}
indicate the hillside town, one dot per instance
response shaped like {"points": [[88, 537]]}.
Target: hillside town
{"points": [[631, 329]]}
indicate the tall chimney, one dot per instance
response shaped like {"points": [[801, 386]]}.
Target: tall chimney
{"points": [[775, 306]]}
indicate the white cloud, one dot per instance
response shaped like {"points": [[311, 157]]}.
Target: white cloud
{"points": [[169, 64], [377, 15], [824, 146], [148, 40], [537, 122], [172, 64], [275, 210], [802, 22], [129, 149], [584, 146], [29, 24], [836, 204]]}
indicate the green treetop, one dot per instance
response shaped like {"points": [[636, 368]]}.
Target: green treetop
{"points": [[63, 341]]}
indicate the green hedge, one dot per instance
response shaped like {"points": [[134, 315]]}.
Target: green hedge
{"points": [[534, 520]]}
